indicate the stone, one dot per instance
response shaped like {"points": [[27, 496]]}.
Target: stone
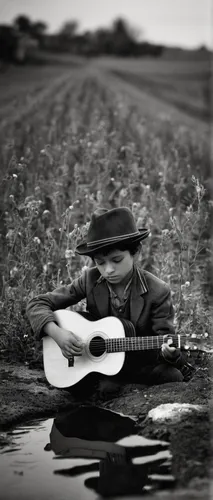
{"points": [[173, 411]]}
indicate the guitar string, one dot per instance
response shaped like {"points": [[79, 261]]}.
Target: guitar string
{"points": [[152, 338], [128, 344], [119, 344]]}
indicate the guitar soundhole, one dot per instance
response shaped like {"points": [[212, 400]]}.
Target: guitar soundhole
{"points": [[97, 346]]}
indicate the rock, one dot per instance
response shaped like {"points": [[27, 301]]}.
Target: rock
{"points": [[173, 411]]}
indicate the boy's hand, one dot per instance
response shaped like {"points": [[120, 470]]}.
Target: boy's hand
{"points": [[70, 344], [168, 350]]}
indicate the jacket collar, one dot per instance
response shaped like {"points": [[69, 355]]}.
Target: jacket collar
{"points": [[139, 288]]}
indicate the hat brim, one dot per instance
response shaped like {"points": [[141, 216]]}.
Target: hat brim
{"points": [[83, 249]]}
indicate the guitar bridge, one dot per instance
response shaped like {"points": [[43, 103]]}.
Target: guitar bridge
{"points": [[71, 361]]}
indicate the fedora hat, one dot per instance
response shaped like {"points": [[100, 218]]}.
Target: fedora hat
{"points": [[108, 227]]}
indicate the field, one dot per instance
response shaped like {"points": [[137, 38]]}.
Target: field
{"points": [[83, 134]]}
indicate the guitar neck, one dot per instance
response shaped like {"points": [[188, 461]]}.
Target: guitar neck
{"points": [[139, 343]]}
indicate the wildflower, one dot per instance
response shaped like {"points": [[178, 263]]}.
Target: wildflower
{"points": [[71, 207], [37, 190], [47, 266], [185, 285], [15, 176], [68, 254], [37, 240], [99, 196], [165, 232], [13, 272], [10, 236], [21, 187], [46, 215], [25, 336], [28, 199], [112, 179], [123, 193]]}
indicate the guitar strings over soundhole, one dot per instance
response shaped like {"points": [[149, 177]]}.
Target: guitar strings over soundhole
{"points": [[97, 346]]}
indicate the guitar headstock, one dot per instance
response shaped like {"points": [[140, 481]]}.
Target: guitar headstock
{"points": [[195, 342]]}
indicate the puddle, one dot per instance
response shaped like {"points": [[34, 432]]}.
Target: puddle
{"points": [[86, 453]]}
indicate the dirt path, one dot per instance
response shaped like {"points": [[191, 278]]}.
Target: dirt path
{"points": [[25, 394]]}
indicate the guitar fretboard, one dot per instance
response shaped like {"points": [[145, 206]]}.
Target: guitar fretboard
{"points": [[138, 343]]}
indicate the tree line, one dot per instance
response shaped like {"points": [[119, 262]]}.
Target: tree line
{"points": [[119, 39]]}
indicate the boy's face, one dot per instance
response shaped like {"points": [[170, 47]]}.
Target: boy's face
{"points": [[114, 266]]}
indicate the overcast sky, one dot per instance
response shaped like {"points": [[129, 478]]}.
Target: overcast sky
{"points": [[186, 23]]}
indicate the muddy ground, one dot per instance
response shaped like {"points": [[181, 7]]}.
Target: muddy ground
{"points": [[26, 395]]}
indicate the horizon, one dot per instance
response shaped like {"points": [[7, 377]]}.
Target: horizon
{"points": [[187, 25]]}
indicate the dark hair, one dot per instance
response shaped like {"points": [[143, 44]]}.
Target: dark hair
{"points": [[133, 248]]}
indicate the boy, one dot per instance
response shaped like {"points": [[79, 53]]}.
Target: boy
{"points": [[115, 286]]}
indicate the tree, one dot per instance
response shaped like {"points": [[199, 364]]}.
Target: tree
{"points": [[69, 29], [124, 40], [23, 24], [38, 30]]}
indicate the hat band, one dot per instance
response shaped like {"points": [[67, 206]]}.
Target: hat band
{"points": [[113, 238]]}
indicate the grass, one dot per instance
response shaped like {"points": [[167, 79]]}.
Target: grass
{"points": [[71, 144]]}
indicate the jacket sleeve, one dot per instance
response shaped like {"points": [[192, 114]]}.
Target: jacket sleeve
{"points": [[163, 324], [40, 309], [162, 313]]}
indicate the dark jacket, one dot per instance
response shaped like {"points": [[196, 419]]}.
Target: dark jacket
{"points": [[151, 309]]}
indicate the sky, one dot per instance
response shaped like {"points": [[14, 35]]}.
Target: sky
{"points": [[183, 23]]}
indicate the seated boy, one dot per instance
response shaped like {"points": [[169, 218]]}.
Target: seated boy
{"points": [[115, 286]]}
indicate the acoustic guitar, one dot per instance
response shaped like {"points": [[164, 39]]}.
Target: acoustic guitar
{"points": [[105, 344]]}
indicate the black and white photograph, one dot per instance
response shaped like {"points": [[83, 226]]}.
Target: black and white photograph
{"points": [[106, 209]]}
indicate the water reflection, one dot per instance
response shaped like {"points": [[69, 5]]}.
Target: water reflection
{"points": [[124, 462]]}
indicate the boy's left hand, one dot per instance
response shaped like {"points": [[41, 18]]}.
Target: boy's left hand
{"points": [[167, 349]]}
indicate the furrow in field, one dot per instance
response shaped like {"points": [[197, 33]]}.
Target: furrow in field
{"points": [[149, 104], [165, 91]]}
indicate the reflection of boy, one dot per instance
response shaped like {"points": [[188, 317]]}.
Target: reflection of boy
{"points": [[115, 286], [99, 434]]}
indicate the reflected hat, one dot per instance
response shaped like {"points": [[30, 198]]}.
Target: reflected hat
{"points": [[108, 227]]}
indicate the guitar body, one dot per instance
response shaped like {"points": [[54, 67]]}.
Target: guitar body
{"points": [[104, 349], [57, 368]]}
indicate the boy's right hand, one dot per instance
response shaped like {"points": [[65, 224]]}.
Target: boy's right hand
{"points": [[70, 344]]}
